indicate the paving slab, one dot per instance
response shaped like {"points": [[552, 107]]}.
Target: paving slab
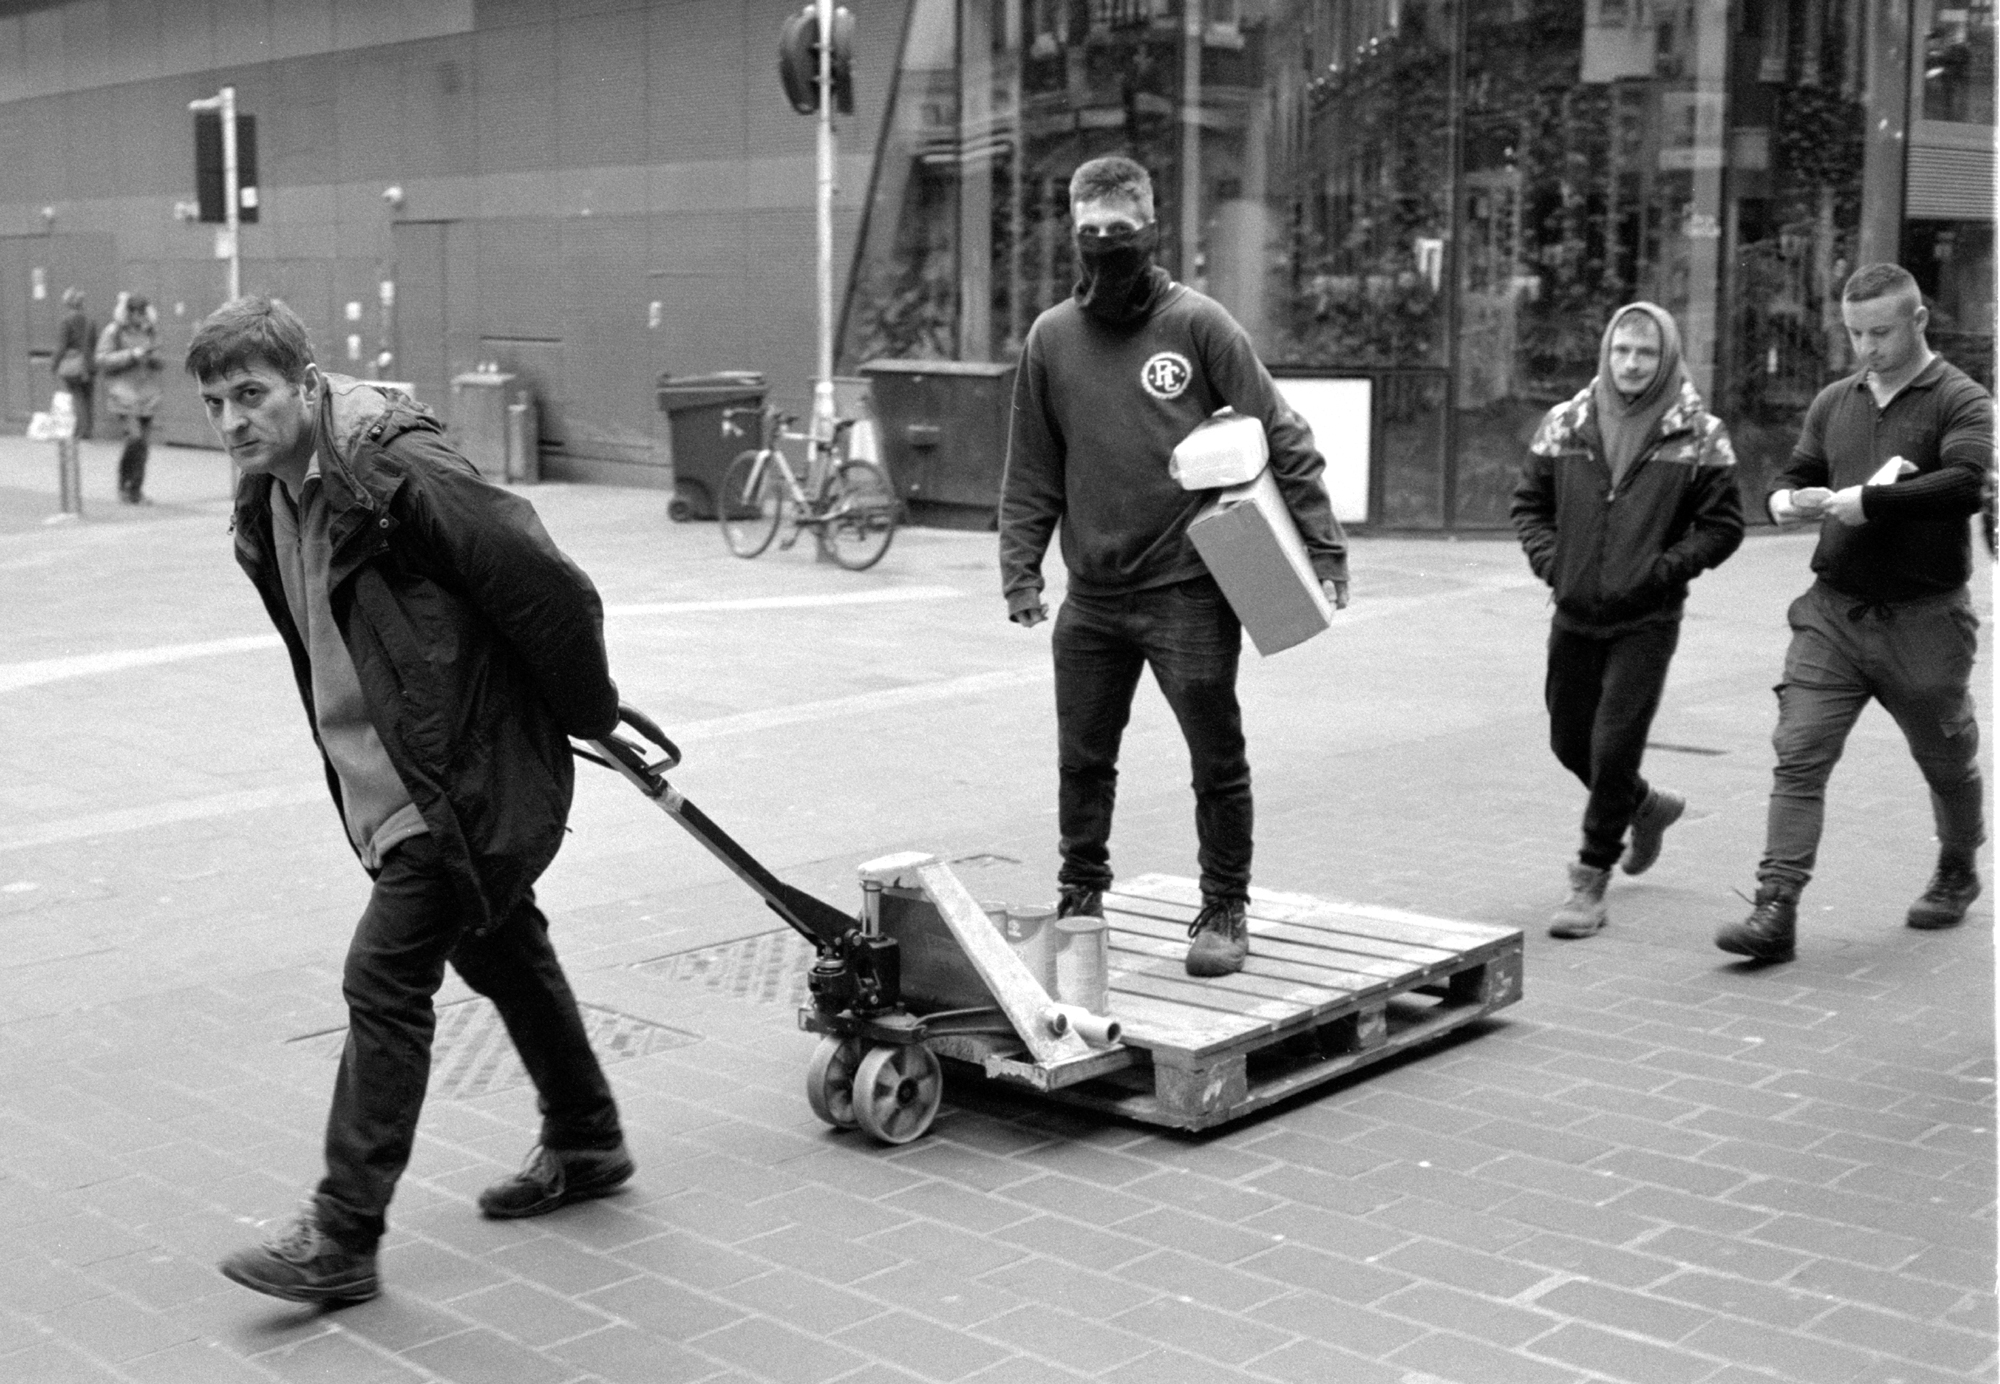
{"points": [[1660, 1165]]}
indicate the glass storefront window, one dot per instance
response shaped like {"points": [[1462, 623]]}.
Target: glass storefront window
{"points": [[1446, 198]]}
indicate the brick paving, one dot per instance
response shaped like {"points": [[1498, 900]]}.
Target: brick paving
{"points": [[1660, 1166]]}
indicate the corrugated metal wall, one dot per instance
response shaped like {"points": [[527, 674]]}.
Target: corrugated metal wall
{"points": [[564, 165]]}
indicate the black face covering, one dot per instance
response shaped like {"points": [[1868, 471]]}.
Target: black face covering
{"points": [[1116, 279]]}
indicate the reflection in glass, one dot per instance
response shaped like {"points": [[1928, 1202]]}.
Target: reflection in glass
{"points": [[1958, 63], [1447, 199]]}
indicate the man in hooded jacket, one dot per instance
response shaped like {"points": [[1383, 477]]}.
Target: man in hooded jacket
{"points": [[1629, 492], [445, 651], [1111, 379]]}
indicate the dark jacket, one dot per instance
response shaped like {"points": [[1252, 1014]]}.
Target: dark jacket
{"points": [[479, 645], [1097, 413], [1621, 556], [77, 335], [1914, 544]]}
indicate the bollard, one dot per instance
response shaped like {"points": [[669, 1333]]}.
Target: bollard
{"points": [[58, 425], [69, 476]]}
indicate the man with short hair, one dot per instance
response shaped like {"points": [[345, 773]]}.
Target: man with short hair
{"points": [[1628, 494], [1892, 462], [1110, 381], [445, 650]]}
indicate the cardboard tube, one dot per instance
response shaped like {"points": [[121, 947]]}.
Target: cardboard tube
{"points": [[1098, 1030]]}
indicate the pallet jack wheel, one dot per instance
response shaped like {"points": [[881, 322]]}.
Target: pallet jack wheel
{"points": [[896, 1091], [830, 1081]]}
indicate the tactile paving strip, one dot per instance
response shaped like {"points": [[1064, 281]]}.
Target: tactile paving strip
{"points": [[472, 1055], [769, 968]]}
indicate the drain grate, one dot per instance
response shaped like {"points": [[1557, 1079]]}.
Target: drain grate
{"points": [[472, 1055], [769, 968]]}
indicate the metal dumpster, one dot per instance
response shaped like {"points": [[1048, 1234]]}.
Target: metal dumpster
{"points": [[942, 429]]}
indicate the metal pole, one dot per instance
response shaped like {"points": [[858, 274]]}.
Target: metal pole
{"points": [[231, 194], [823, 412]]}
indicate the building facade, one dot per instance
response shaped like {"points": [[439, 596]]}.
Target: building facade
{"points": [[1434, 203], [1447, 198]]}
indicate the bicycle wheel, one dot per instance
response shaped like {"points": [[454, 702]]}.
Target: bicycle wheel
{"points": [[750, 503], [860, 516]]}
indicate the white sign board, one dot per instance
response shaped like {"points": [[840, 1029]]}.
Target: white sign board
{"points": [[1340, 414]]}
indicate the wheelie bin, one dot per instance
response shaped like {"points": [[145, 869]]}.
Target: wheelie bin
{"points": [[705, 437]]}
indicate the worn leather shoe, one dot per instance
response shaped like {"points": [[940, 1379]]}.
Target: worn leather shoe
{"points": [[1662, 808], [553, 1178], [302, 1263], [1950, 892], [1221, 939], [1770, 933]]}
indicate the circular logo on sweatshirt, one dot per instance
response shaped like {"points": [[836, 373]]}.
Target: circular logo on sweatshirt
{"points": [[1166, 375]]}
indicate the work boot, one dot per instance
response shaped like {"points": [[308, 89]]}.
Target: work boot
{"points": [[302, 1263], [1221, 934], [553, 1178], [1770, 933], [1951, 891], [1078, 902], [1662, 808], [1584, 913]]}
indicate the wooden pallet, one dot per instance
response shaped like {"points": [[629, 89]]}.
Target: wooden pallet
{"points": [[1329, 988]]}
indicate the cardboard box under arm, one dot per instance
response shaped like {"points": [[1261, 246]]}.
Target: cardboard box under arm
{"points": [[1253, 550]]}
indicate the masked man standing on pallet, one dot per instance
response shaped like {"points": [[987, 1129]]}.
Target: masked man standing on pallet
{"points": [[445, 651], [1110, 381], [1629, 493]]}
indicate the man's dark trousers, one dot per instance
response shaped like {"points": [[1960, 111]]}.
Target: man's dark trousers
{"points": [[1602, 692], [1914, 657], [410, 928], [1191, 639]]}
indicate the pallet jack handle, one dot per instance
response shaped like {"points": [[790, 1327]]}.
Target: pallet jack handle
{"points": [[820, 923]]}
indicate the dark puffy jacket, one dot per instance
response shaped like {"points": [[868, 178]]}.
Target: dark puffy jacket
{"points": [[479, 645], [1624, 556]]}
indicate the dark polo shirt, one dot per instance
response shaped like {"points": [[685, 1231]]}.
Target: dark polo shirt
{"points": [[1916, 542]]}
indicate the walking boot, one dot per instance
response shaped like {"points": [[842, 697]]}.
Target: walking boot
{"points": [[1662, 808], [1585, 912], [1221, 939], [554, 1178], [302, 1263], [1951, 891], [1770, 933]]}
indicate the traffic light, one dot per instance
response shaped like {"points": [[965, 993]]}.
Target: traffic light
{"points": [[208, 170], [798, 60]]}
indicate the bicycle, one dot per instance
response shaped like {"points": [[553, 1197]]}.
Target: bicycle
{"points": [[850, 506]]}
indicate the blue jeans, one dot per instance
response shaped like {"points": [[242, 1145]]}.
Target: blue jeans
{"points": [[1602, 692], [395, 965], [1915, 658], [1190, 638]]}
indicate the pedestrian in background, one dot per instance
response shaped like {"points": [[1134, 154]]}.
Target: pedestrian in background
{"points": [[1892, 462], [75, 362], [445, 650], [128, 356], [1110, 381], [1629, 493]]}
